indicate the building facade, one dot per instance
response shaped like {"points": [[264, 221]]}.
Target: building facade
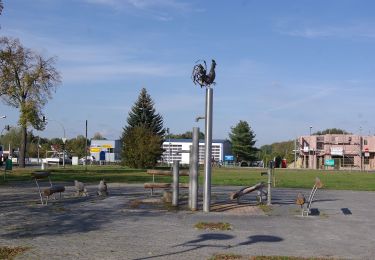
{"points": [[336, 151], [109, 150], [177, 149]]}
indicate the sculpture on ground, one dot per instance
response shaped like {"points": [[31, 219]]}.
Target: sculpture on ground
{"points": [[200, 77], [80, 188], [102, 188]]}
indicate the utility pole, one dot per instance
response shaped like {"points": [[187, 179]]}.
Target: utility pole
{"points": [[86, 149]]}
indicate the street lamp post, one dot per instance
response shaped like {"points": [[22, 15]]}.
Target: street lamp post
{"points": [[310, 129]]}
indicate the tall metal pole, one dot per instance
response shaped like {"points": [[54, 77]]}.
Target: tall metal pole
{"points": [[175, 187], [194, 170], [295, 152], [208, 151], [86, 149]]}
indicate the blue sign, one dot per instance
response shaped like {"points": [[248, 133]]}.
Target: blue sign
{"points": [[228, 158]]}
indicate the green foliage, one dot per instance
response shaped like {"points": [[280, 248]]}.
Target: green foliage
{"points": [[280, 150], [76, 146], [141, 147], [143, 136], [143, 114], [243, 141], [27, 81], [186, 135], [331, 131]]}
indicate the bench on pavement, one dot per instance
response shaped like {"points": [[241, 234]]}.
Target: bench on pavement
{"points": [[52, 189], [162, 185]]}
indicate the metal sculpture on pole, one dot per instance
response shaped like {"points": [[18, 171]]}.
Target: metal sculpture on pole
{"points": [[200, 77]]}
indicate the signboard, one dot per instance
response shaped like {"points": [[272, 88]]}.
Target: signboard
{"points": [[107, 146], [228, 158], [306, 149], [329, 162], [95, 149], [367, 154], [337, 151]]}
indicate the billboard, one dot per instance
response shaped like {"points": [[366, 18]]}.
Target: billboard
{"points": [[337, 151]]}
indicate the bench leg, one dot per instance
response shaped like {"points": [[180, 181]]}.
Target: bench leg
{"points": [[40, 193]]}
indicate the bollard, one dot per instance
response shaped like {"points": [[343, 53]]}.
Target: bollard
{"points": [[194, 170], [176, 168], [190, 176], [269, 172]]}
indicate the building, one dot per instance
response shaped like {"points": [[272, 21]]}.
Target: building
{"points": [[109, 149], [336, 151], [176, 149]]}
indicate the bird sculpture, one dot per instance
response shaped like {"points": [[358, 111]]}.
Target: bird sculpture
{"points": [[200, 77], [80, 188], [102, 188]]}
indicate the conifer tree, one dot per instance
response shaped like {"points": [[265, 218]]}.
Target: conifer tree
{"points": [[243, 141], [143, 114], [143, 136]]}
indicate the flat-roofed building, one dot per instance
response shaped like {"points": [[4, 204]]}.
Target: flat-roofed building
{"points": [[110, 150], [172, 150]]}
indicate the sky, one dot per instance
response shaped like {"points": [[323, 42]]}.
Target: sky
{"points": [[282, 66]]}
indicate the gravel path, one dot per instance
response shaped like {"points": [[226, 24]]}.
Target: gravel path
{"points": [[121, 227]]}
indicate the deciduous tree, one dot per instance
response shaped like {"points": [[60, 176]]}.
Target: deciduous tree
{"points": [[27, 81], [141, 147]]}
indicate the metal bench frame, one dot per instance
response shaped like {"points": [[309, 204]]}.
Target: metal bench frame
{"points": [[37, 177], [317, 185]]}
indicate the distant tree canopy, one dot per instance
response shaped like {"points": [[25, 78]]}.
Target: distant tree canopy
{"points": [[143, 136], [98, 136], [1, 7], [243, 141], [279, 150], [331, 131], [186, 135]]}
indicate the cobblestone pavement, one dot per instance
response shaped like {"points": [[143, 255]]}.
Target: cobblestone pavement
{"points": [[128, 225]]}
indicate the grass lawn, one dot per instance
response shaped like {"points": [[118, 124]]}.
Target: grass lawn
{"points": [[285, 178]]}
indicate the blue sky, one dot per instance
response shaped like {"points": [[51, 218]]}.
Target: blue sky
{"points": [[283, 66]]}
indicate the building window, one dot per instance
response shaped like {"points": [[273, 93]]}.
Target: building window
{"points": [[348, 161], [364, 141], [366, 160], [319, 146]]}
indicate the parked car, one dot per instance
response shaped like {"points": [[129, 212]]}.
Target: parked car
{"points": [[90, 159]]}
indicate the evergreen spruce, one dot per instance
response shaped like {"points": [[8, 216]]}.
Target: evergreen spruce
{"points": [[143, 136], [143, 114], [243, 141]]}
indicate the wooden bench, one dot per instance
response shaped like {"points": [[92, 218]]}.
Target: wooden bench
{"points": [[52, 189], [161, 185]]}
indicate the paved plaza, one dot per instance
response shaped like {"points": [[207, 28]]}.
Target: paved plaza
{"points": [[130, 224]]}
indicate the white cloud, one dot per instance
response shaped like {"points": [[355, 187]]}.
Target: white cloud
{"points": [[350, 31], [88, 73]]}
